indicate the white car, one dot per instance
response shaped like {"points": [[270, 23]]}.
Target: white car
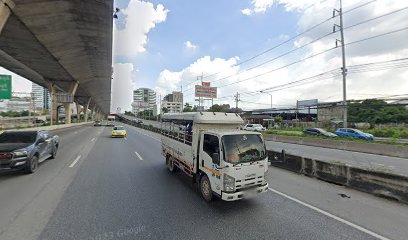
{"points": [[254, 127]]}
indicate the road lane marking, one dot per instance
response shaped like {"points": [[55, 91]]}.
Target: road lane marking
{"points": [[125, 138], [331, 215], [138, 155], [75, 161], [93, 139]]}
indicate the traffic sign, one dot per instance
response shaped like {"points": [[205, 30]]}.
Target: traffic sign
{"points": [[5, 86]]}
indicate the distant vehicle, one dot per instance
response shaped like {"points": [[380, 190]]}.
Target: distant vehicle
{"points": [[254, 127], [354, 133], [208, 147], [24, 150], [111, 118], [39, 121], [119, 131], [97, 123], [318, 132]]}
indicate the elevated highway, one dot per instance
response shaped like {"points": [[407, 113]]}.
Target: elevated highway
{"points": [[65, 46]]}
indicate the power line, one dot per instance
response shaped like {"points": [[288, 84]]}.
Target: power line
{"points": [[294, 37], [311, 42]]}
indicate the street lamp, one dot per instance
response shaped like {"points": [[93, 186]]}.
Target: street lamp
{"points": [[270, 94]]}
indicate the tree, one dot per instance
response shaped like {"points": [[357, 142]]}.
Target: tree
{"points": [[376, 111], [187, 108], [164, 110], [219, 108]]}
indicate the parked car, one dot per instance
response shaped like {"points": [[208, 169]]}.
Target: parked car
{"points": [[97, 124], [254, 127], [318, 132], [354, 133], [24, 150], [119, 131]]}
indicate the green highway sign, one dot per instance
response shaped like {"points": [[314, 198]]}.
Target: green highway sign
{"points": [[5, 86]]}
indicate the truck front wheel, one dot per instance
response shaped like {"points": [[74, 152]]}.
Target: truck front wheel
{"points": [[205, 187]]}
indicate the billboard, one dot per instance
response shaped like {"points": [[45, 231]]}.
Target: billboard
{"points": [[205, 91], [5, 86], [306, 103]]}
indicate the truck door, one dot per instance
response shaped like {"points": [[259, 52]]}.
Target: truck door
{"points": [[210, 146]]}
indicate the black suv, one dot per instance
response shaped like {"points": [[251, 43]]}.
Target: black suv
{"points": [[24, 150]]}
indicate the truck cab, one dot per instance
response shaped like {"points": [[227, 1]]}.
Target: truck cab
{"points": [[209, 147]]}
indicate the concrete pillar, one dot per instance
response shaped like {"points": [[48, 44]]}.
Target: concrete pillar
{"points": [[93, 113], [67, 106], [78, 108], [5, 7], [86, 110], [54, 103]]}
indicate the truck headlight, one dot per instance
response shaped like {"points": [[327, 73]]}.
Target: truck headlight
{"points": [[229, 183], [20, 153]]}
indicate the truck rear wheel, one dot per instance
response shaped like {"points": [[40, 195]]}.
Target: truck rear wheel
{"points": [[170, 164], [205, 188]]}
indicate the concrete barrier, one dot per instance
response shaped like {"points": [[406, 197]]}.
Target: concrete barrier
{"points": [[49, 128], [373, 148], [382, 184]]}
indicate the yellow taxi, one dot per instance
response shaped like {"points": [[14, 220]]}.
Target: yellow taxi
{"points": [[119, 131]]}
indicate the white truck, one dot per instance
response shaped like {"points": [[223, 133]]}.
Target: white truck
{"points": [[209, 147]]}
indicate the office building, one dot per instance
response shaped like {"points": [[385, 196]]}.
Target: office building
{"points": [[42, 99], [144, 99], [173, 102]]}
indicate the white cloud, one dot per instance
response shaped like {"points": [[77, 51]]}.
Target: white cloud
{"points": [[189, 45], [122, 87], [247, 11], [141, 18]]}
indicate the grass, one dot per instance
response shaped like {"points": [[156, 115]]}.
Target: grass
{"points": [[279, 133]]}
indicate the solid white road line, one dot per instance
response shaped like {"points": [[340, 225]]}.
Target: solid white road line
{"points": [[75, 161], [138, 155], [93, 139], [331, 215]]}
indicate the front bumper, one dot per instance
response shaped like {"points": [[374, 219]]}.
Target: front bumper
{"points": [[13, 164], [244, 194]]}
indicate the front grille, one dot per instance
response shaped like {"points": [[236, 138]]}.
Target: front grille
{"points": [[6, 156]]}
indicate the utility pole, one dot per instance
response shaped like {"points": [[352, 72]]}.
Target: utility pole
{"points": [[236, 101], [343, 53]]}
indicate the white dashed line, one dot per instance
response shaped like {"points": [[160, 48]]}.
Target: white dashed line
{"points": [[93, 139], [331, 215], [75, 161], [125, 138], [138, 155]]}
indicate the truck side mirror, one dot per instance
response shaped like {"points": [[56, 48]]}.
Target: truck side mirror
{"points": [[216, 158]]}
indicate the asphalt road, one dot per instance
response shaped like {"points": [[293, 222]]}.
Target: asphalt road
{"points": [[104, 188]]}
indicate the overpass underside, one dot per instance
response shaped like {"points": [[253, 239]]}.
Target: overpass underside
{"points": [[65, 46]]}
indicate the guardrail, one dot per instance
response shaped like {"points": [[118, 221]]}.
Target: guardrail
{"points": [[379, 183]]}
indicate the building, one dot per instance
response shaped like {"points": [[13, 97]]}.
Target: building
{"points": [[144, 99], [173, 102], [173, 107], [174, 97], [42, 99]]}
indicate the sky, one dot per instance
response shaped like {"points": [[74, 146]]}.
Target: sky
{"points": [[166, 44]]}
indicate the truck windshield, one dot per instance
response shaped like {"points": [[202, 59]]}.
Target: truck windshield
{"points": [[243, 148]]}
